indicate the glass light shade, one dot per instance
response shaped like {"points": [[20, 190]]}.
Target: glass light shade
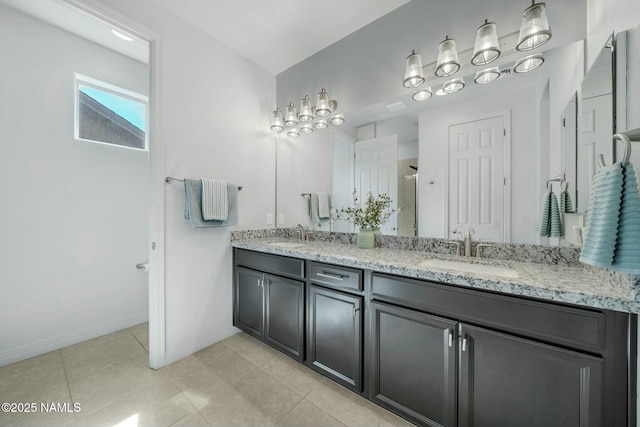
{"points": [[528, 63], [453, 86], [447, 58], [306, 115], [321, 124], [291, 117], [337, 120], [323, 108], [486, 48], [276, 124], [487, 76], [413, 75], [306, 128], [534, 29], [422, 95], [293, 133], [441, 92]]}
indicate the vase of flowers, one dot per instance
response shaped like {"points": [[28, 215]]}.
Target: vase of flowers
{"points": [[368, 217]]}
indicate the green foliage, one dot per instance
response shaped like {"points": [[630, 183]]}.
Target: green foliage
{"points": [[374, 213]]}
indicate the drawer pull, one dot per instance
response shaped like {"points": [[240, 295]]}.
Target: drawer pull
{"points": [[450, 338], [331, 276], [464, 344]]}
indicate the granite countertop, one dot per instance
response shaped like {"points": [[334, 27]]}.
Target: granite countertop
{"points": [[561, 283]]}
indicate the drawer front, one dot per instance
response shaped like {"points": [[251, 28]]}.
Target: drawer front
{"points": [[276, 264], [336, 277], [578, 328]]}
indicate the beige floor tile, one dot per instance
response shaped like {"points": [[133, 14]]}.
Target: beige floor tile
{"points": [[234, 409], [292, 373], [158, 405], [53, 407], [348, 407], [141, 333], [195, 419], [392, 420], [306, 414], [18, 380], [90, 357], [108, 385], [250, 348]]}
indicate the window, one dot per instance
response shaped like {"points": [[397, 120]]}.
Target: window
{"points": [[111, 115]]}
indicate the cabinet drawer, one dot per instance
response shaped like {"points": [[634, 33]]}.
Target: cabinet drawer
{"points": [[579, 328], [276, 264], [335, 277]]}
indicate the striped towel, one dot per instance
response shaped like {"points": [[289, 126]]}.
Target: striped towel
{"points": [[566, 205], [603, 214], [626, 257], [544, 225], [555, 223], [215, 204]]}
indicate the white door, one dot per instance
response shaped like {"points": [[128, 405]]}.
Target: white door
{"points": [[596, 128], [342, 182], [376, 170], [477, 179]]}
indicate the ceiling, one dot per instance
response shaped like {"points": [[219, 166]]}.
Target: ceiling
{"points": [[277, 34]]}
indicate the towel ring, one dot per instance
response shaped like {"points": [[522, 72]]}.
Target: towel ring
{"points": [[627, 150]]}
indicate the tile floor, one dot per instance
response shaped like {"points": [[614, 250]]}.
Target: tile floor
{"points": [[237, 382]]}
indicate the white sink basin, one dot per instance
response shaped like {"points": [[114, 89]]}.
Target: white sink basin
{"points": [[286, 244], [466, 267]]}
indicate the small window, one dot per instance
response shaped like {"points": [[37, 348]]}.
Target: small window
{"points": [[111, 115]]}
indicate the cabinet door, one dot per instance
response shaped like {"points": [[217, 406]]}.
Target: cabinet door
{"points": [[413, 364], [249, 295], [284, 315], [335, 335], [506, 381]]}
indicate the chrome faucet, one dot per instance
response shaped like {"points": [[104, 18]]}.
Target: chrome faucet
{"points": [[302, 232]]}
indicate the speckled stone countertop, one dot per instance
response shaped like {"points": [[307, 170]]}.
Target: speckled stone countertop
{"points": [[561, 283]]}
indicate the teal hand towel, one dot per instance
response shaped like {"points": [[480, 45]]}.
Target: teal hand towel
{"points": [[544, 225], [566, 204], [193, 205], [555, 221], [602, 217], [626, 257]]}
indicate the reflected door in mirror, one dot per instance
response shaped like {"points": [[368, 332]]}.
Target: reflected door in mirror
{"points": [[476, 179]]}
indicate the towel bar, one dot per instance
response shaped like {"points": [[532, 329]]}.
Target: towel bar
{"points": [[171, 179]]}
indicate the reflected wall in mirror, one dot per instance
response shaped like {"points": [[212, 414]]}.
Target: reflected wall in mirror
{"points": [[596, 121]]}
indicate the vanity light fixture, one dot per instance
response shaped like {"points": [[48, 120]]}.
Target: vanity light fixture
{"points": [[453, 86], [277, 125], [534, 29], [528, 63], [306, 115], [321, 124], [293, 133], [486, 49], [413, 75], [441, 92], [422, 95], [487, 76], [337, 120], [306, 128], [447, 58], [291, 118], [323, 108]]}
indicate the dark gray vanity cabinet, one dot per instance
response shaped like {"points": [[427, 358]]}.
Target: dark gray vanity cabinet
{"points": [[334, 323], [413, 362], [509, 381], [269, 306]]}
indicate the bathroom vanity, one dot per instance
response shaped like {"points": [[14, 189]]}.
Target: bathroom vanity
{"points": [[518, 344]]}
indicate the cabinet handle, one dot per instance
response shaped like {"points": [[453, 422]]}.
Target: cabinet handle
{"points": [[464, 344], [259, 285], [331, 276], [450, 338]]}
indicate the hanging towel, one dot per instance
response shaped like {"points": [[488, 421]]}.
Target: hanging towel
{"points": [[214, 200], [555, 223], [544, 225], [193, 205], [626, 257], [324, 210], [603, 213], [566, 205]]}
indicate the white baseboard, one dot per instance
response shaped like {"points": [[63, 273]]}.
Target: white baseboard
{"points": [[46, 345]]}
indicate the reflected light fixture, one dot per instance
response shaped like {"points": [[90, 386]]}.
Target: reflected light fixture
{"points": [[487, 76], [293, 133], [486, 49], [453, 86], [291, 118], [277, 125], [337, 120], [306, 115], [306, 128], [528, 63], [413, 75], [321, 124], [447, 58], [422, 95], [534, 29], [441, 92]]}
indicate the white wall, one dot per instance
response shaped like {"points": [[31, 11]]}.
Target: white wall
{"points": [[74, 217], [216, 123]]}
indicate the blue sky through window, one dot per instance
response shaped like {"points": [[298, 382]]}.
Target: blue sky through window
{"points": [[129, 109]]}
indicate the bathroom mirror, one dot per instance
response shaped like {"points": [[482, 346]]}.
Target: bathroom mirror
{"points": [[596, 122]]}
